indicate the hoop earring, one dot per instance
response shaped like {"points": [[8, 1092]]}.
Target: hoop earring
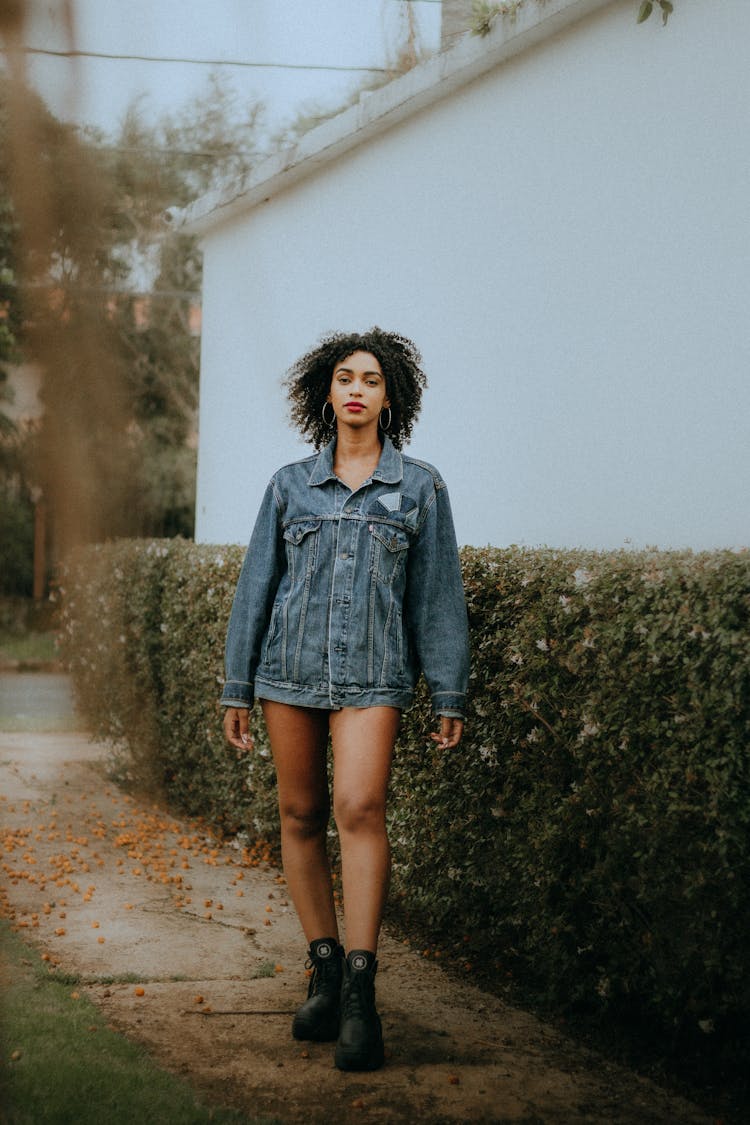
{"points": [[323, 414], [386, 427]]}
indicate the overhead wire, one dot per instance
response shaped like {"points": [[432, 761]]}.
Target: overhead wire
{"points": [[183, 60], [75, 53]]}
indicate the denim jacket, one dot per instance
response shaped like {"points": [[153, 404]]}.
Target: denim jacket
{"points": [[344, 597]]}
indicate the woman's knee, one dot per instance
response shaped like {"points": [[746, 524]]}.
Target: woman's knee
{"points": [[359, 812], [305, 821]]}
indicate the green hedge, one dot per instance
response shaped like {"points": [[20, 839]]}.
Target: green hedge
{"points": [[591, 833], [142, 632]]}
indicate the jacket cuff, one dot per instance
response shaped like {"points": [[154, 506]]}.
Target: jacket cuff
{"points": [[451, 703], [237, 693]]}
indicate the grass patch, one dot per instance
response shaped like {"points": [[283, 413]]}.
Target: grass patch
{"points": [[61, 1063], [267, 969], [27, 646]]}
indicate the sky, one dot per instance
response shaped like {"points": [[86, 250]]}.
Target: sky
{"points": [[308, 33]]}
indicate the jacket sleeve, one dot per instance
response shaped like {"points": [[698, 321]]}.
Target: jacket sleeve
{"points": [[436, 608], [251, 609]]}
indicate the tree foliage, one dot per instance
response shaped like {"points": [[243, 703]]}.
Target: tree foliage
{"points": [[45, 243], [647, 7], [107, 305], [484, 14]]}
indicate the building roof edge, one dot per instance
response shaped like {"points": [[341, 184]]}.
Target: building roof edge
{"points": [[379, 110]]}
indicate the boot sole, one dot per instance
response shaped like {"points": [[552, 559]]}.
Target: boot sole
{"points": [[326, 1033], [352, 1060]]}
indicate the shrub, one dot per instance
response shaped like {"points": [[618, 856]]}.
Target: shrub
{"points": [[16, 544], [591, 832], [142, 627]]}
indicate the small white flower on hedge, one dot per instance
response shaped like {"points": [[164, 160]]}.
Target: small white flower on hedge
{"points": [[589, 730], [699, 631], [542, 645], [581, 576]]}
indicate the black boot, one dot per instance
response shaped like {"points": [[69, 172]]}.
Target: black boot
{"points": [[360, 1045], [318, 1018]]}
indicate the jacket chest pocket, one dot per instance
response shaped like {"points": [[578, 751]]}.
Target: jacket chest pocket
{"points": [[301, 540], [388, 547]]}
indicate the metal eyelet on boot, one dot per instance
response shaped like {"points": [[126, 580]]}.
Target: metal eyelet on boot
{"points": [[318, 1018]]}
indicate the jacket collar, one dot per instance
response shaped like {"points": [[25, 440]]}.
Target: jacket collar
{"points": [[390, 469]]}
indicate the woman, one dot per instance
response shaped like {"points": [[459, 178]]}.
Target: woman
{"points": [[350, 587]]}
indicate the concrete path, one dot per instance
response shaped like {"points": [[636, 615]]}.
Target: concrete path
{"points": [[191, 946]]}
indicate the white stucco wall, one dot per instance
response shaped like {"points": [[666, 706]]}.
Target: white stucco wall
{"points": [[566, 239]]}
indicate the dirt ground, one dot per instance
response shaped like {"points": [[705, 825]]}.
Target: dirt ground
{"points": [[192, 948]]}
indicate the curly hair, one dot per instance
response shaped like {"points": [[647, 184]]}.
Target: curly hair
{"points": [[309, 381]]}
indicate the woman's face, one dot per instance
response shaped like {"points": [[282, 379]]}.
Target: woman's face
{"points": [[358, 391]]}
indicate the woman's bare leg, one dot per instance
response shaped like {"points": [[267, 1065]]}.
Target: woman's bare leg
{"points": [[363, 740], [299, 738]]}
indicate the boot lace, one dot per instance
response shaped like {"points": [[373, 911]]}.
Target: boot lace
{"points": [[326, 975], [359, 999]]}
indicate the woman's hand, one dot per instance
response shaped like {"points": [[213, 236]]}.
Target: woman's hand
{"points": [[236, 720], [451, 730]]}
